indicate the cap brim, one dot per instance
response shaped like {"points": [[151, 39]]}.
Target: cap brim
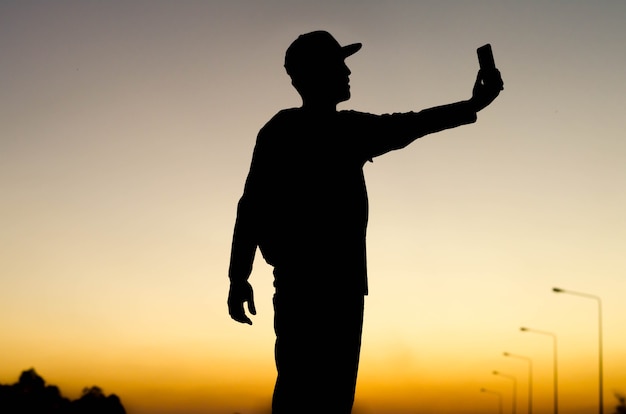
{"points": [[350, 50]]}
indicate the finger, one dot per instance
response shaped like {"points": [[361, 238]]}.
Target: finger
{"points": [[241, 317], [245, 319], [498, 79], [479, 77], [251, 306], [237, 313]]}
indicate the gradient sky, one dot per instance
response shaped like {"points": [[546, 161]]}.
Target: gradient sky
{"points": [[126, 131]]}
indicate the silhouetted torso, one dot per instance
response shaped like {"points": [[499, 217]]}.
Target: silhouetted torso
{"points": [[313, 195], [305, 197]]}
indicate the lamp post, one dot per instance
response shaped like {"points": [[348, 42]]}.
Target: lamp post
{"points": [[499, 397], [554, 364], [511, 377], [530, 377], [600, 376]]}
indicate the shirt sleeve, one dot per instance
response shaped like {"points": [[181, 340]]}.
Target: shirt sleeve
{"points": [[245, 235], [384, 133]]}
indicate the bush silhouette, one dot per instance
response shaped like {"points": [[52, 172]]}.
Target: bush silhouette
{"points": [[31, 395]]}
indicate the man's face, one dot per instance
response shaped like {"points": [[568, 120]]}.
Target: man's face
{"points": [[327, 81], [334, 81], [338, 81]]}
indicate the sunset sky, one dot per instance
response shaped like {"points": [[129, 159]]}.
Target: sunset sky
{"points": [[126, 132]]}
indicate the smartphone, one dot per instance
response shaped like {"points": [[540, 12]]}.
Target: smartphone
{"points": [[485, 57]]}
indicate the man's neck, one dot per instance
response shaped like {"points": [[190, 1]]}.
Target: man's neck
{"points": [[319, 106]]}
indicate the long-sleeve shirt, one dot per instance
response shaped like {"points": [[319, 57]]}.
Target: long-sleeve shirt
{"points": [[305, 202]]}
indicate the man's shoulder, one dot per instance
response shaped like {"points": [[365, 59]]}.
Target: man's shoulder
{"points": [[278, 126], [281, 119], [285, 115], [354, 114], [351, 113], [363, 122]]}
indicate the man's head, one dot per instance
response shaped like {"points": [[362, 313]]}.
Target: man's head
{"points": [[315, 63]]}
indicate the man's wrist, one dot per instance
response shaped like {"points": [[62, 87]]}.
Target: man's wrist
{"points": [[475, 105]]}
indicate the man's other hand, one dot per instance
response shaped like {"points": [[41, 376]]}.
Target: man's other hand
{"points": [[487, 88], [239, 293]]}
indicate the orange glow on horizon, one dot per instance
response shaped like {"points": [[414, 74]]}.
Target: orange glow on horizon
{"points": [[126, 133]]}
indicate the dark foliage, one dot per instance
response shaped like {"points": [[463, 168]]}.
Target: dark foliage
{"points": [[31, 395], [621, 407]]}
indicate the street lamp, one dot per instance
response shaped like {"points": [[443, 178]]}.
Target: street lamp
{"points": [[530, 377], [600, 380], [511, 377], [496, 393], [556, 382]]}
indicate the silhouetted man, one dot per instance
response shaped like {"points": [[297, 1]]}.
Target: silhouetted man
{"points": [[305, 206]]}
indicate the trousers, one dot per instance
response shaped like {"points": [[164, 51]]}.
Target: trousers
{"points": [[318, 343]]}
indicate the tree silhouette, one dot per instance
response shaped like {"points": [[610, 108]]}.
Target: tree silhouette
{"points": [[621, 407], [94, 401], [31, 395]]}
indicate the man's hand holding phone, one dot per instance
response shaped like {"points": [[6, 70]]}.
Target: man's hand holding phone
{"points": [[488, 82]]}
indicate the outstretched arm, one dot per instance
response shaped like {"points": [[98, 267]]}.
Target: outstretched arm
{"points": [[396, 131]]}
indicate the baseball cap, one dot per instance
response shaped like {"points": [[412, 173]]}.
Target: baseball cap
{"points": [[315, 48]]}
